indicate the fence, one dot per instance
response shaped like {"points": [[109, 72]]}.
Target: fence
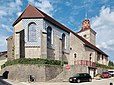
{"points": [[85, 63]]}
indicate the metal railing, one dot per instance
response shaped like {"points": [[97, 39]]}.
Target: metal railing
{"points": [[85, 63]]}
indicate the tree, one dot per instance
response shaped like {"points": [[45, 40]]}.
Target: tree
{"points": [[110, 63]]}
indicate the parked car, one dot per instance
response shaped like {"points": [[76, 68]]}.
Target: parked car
{"points": [[80, 77], [106, 75], [111, 72]]}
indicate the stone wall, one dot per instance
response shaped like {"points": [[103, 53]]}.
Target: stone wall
{"points": [[74, 69], [39, 72], [43, 73], [10, 48]]}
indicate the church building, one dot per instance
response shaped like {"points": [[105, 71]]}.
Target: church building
{"points": [[37, 35]]}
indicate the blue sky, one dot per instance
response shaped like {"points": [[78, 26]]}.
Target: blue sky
{"points": [[68, 12]]}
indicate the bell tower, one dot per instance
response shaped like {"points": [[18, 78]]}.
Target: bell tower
{"points": [[86, 24], [87, 33]]}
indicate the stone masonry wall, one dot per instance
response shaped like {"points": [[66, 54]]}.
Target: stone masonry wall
{"points": [[43, 73], [73, 70], [39, 72], [66, 73]]}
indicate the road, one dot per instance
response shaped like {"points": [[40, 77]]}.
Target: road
{"points": [[1, 83], [94, 82]]}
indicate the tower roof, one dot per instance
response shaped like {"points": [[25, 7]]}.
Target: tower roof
{"points": [[86, 25]]}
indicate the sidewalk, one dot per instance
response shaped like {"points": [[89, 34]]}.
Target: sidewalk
{"points": [[10, 82]]}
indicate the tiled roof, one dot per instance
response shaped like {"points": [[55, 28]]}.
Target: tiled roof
{"points": [[33, 12], [87, 29], [88, 44]]}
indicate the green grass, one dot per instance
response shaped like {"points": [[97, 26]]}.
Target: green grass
{"points": [[33, 61]]}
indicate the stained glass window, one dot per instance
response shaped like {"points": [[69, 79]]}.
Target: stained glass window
{"points": [[49, 37], [32, 32]]}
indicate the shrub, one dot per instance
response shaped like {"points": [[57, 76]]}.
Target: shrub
{"points": [[33, 61], [98, 75], [104, 66]]}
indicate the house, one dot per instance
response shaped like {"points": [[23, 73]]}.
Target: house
{"points": [[37, 35]]}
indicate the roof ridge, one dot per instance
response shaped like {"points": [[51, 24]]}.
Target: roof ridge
{"points": [[29, 7], [38, 11]]}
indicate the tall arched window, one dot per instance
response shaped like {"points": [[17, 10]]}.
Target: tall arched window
{"points": [[63, 41], [32, 32], [49, 35]]}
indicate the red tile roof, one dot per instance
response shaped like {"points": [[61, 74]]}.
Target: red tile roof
{"points": [[33, 12]]}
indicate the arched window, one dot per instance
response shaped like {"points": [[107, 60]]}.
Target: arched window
{"points": [[49, 35], [90, 56], [63, 41], [74, 55], [32, 32]]}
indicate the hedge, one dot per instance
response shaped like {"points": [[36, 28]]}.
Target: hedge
{"points": [[104, 66], [33, 61]]}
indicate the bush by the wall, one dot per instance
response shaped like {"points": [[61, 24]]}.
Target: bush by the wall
{"points": [[104, 66], [33, 61]]}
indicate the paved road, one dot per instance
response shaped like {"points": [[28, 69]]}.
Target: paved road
{"points": [[1, 83], [94, 82]]}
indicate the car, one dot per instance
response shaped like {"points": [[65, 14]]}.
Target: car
{"points": [[111, 72], [106, 75], [80, 77]]}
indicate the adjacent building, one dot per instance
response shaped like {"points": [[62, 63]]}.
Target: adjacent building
{"points": [[3, 58], [37, 35], [10, 48]]}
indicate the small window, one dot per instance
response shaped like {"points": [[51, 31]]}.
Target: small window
{"points": [[85, 36], [90, 54], [102, 57], [90, 58], [75, 55], [63, 41], [98, 56]]}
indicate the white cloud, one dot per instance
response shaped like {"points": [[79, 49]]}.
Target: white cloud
{"points": [[68, 3], [44, 5], [7, 13], [2, 40], [7, 28], [19, 13], [2, 13], [103, 24], [3, 43], [10, 8]]}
